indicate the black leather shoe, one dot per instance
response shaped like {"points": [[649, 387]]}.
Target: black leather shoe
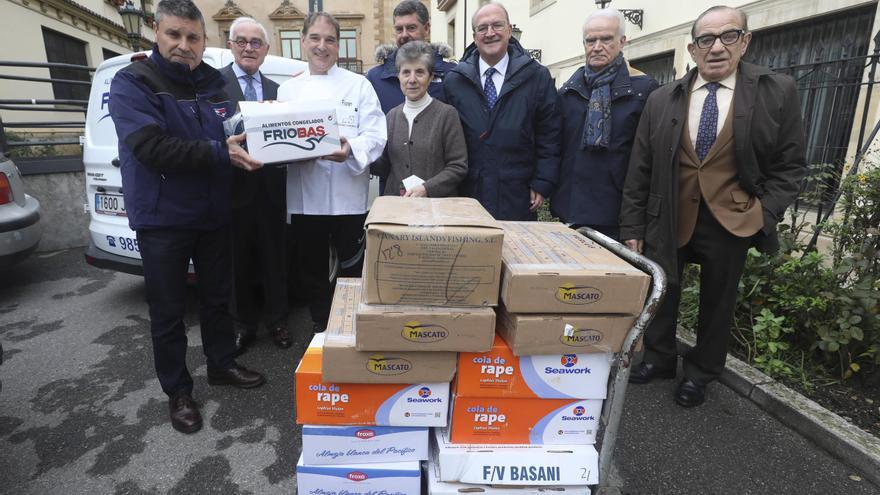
{"points": [[645, 372], [281, 337], [244, 338], [237, 376], [185, 416], [691, 393]]}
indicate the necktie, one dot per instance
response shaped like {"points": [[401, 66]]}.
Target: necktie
{"points": [[708, 122], [250, 94], [489, 88]]}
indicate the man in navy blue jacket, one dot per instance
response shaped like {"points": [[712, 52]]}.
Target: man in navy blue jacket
{"points": [[412, 22], [601, 105], [177, 181], [507, 105]]}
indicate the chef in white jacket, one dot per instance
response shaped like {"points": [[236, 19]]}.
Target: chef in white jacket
{"points": [[327, 197]]}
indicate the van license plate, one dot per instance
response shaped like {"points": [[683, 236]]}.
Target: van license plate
{"points": [[110, 204]]}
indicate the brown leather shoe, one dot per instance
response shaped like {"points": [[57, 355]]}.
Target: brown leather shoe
{"points": [[237, 376], [281, 337], [185, 416]]}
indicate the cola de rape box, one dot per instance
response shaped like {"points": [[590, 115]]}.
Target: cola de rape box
{"points": [[499, 373], [550, 268], [524, 421], [368, 404], [432, 251], [344, 363], [490, 463], [279, 132], [325, 444]]}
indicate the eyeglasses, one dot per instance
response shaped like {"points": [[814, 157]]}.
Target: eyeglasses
{"points": [[483, 29], [255, 43], [727, 38], [605, 40]]}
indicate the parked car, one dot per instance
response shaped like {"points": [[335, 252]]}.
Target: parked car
{"points": [[20, 225], [112, 245]]}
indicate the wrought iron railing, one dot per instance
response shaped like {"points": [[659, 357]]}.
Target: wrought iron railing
{"points": [[47, 106]]}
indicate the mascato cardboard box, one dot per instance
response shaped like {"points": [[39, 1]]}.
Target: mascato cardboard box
{"points": [[342, 362], [550, 268], [432, 251], [280, 132], [424, 328], [369, 404], [529, 334]]}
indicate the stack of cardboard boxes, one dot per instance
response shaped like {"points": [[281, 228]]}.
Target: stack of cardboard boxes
{"points": [[567, 305], [384, 365], [526, 401]]}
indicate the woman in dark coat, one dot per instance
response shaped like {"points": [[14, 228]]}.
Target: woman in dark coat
{"points": [[426, 153]]}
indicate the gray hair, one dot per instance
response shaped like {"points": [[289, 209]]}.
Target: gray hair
{"points": [[179, 8], [244, 20], [611, 14], [474, 17], [313, 17], [409, 7], [415, 52], [744, 19]]}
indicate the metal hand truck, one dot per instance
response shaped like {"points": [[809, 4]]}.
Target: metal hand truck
{"points": [[612, 408]]}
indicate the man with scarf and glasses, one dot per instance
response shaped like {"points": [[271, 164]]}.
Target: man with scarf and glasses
{"points": [[601, 105]]}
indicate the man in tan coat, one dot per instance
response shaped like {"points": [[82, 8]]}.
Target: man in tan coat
{"points": [[718, 157]]}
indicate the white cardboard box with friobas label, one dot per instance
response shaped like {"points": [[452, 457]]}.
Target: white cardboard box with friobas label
{"points": [[279, 132], [550, 268], [433, 252]]}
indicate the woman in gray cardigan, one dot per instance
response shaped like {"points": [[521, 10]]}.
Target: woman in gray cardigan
{"points": [[426, 154]]}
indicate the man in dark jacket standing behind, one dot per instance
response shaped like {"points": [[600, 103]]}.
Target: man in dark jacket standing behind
{"points": [[600, 105], [412, 22], [718, 157], [259, 205], [507, 105], [177, 176]]}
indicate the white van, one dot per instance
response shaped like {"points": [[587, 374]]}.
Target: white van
{"points": [[112, 245]]}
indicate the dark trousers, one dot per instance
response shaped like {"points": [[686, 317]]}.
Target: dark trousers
{"points": [[313, 234], [166, 254], [259, 256], [721, 256]]}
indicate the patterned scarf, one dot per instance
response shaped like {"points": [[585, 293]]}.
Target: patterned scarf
{"points": [[597, 126]]}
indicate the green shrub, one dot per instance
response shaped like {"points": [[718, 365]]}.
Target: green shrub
{"points": [[800, 309]]}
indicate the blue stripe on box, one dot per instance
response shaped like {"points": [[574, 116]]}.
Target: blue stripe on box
{"points": [[349, 431]]}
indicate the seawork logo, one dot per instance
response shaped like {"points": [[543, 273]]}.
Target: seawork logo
{"points": [[423, 334], [381, 365], [568, 360], [424, 392], [577, 294]]}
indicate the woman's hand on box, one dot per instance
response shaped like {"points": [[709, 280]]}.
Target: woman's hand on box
{"points": [[238, 156], [342, 153]]}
